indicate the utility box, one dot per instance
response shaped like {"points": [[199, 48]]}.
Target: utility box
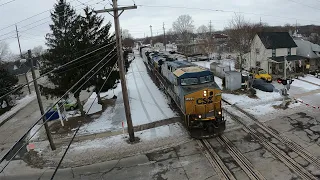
{"points": [[219, 69], [233, 80]]}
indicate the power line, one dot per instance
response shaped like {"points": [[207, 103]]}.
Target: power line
{"points": [[29, 17], [76, 132], [220, 10], [67, 92], [55, 69], [7, 3], [40, 21], [312, 7]]}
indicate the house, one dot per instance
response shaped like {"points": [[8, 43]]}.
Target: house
{"points": [[23, 69], [268, 50], [310, 52]]}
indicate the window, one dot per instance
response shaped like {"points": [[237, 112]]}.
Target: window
{"points": [[206, 79], [273, 52], [189, 81], [257, 51], [280, 66], [289, 51]]}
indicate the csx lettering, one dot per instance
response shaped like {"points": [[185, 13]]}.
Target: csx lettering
{"points": [[205, 100]]}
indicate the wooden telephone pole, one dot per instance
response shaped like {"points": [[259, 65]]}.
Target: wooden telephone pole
{"points": [[52, 145], [26, 74], [116, 16]]}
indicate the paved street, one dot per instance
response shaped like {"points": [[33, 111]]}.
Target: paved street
{"points": [[16, 126]]}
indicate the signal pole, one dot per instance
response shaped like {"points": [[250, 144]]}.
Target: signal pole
{"points": [[53, 147], [116, 16], [151, 35], [164, 38], [25, 75]]}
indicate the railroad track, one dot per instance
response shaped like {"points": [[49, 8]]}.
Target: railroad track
{"points": [[219, 166], [287, 160], [291, 144], [154, 100]]}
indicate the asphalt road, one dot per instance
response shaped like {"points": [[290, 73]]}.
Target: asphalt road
{"points": [[15, 127]]}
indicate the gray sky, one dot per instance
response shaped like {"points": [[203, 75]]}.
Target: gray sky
{"points": [[273, 12]]}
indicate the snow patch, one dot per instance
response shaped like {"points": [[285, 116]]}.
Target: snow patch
{"points": [[311, 78], [304, 85], [94, 102], [268, 108]]}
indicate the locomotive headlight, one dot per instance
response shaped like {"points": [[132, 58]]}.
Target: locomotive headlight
{"points": [[219, 112], [200, 116], [204, 93]]}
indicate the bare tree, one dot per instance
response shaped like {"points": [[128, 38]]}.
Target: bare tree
{"points": [[125, 34], [4, 50], [241, 34], [37, 51], [205, 40], [184, 27]]}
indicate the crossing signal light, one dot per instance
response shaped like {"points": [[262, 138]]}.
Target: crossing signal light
{"points": [[282, 81]]}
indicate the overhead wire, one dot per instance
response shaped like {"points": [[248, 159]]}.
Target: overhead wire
{"points": [[57, 68], [14, 31], [67, 92], [7, 3], [78, 128], [29, 17]]}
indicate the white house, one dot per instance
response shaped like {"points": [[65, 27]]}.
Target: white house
{"points": [[268, 50]]}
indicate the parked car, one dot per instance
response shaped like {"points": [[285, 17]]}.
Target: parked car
{"points": [[69, 106], [261, 74], [262, 85]]}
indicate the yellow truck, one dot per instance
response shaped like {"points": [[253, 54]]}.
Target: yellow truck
{"points": [[261, 74]]}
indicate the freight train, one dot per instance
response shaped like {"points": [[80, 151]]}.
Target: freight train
{"points": [[191, 88]]}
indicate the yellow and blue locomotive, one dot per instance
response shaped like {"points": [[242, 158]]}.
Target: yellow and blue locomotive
{"points": [[193, 90]]}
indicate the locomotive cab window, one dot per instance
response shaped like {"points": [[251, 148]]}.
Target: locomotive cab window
{"points": [[206, 79], [189, 81]]}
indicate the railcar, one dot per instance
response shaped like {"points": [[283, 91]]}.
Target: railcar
{"points": [[192, 89]]}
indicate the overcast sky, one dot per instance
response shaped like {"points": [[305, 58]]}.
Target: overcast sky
{"points": [[273, 12]]}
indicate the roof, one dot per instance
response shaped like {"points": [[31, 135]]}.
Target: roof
{"points": [[307, 49], [220, 36], [180, 64], [274, 40], [194, 71], [289, 58], [17, 68]]}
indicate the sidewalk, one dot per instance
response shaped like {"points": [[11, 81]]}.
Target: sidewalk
{"points": [[14, 110]]}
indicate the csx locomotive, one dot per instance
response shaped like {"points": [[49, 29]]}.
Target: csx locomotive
{"points": [[193, 90]]}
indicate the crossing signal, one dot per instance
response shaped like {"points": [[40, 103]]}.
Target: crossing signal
{"points": [[282, 81]]}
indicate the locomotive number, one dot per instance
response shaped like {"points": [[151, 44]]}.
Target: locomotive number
{"points": [[205, 100]]}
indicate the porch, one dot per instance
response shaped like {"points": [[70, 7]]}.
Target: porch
{"points": [[296, 66]]}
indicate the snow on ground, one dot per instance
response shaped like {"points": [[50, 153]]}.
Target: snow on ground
{"points": [[244, 100], [304, 85], [95, 106], [19, 105], [311, 78], [147, 103], [267, 108], [145, 135], [34, 133], [114, 147]]}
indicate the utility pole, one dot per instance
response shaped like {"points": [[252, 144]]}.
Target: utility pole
{"points": [[53, 147], [116, 15], [164, 38], [151, 35], [210, 28], [26, 74]]}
